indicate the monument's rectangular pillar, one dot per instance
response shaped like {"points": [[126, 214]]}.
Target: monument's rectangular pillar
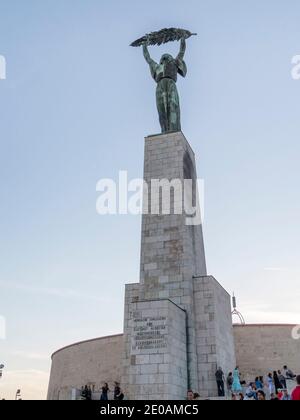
{"points": [[155, 350], [172, 255], [172, 248]]}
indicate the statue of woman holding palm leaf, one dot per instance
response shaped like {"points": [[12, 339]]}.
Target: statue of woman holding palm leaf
{"points": [[165, 75]]}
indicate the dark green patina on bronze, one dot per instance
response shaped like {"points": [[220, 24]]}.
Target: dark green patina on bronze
{"points": [[165, 74]]}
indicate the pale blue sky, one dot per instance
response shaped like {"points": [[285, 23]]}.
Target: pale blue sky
{"points": [[75, 107]]}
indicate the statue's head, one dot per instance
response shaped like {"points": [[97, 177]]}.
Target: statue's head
{"points": [[166, 58]]}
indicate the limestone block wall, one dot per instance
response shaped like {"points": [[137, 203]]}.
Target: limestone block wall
{"points": [[261, 349], [91, 362], [214, 333], [155, 356], [172, 251]]}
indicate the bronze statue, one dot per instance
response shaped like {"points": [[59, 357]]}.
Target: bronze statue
{"points": [[165, 75]]}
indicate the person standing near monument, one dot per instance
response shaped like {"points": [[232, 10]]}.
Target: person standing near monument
{"points": [[296, 393], [277, 383], [220, 382], [236, 385], [85, 392], [118, 394], [105, 391], [229, 382], [271, 384], [117, 390], [282, 380]]}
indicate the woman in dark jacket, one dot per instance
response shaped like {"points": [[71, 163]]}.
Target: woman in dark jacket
{"points": [[118, 394], [105, 391], [276, 382]]}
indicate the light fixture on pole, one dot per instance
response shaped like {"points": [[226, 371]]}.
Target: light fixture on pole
{"points": [[236, 312]]}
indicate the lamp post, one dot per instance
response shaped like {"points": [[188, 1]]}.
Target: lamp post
{"points": [[236, 312]]}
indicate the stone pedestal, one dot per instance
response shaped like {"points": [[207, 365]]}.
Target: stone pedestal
{"points": [[156, 348], [173, 269]]}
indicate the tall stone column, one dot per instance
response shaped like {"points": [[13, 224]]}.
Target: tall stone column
{"points": [[172, 256], [172, 252]]}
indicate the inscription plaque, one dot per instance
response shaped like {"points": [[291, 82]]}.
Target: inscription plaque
{"points": [[149, 333]]}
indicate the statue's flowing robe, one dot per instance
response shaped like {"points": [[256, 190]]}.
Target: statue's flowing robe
{"points": [[167, 98]]}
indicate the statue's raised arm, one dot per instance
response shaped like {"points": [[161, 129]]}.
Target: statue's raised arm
{"points": [[180, 56], [153, 65], [146, 53], [182, 68]]}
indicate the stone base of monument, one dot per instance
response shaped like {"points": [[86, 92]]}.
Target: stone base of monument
{"points": [[178, 326], [155, 365], [156, 352]]}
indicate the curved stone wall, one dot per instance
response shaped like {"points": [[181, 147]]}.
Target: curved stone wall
{"points": [[260, 349], [90, 362]]}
